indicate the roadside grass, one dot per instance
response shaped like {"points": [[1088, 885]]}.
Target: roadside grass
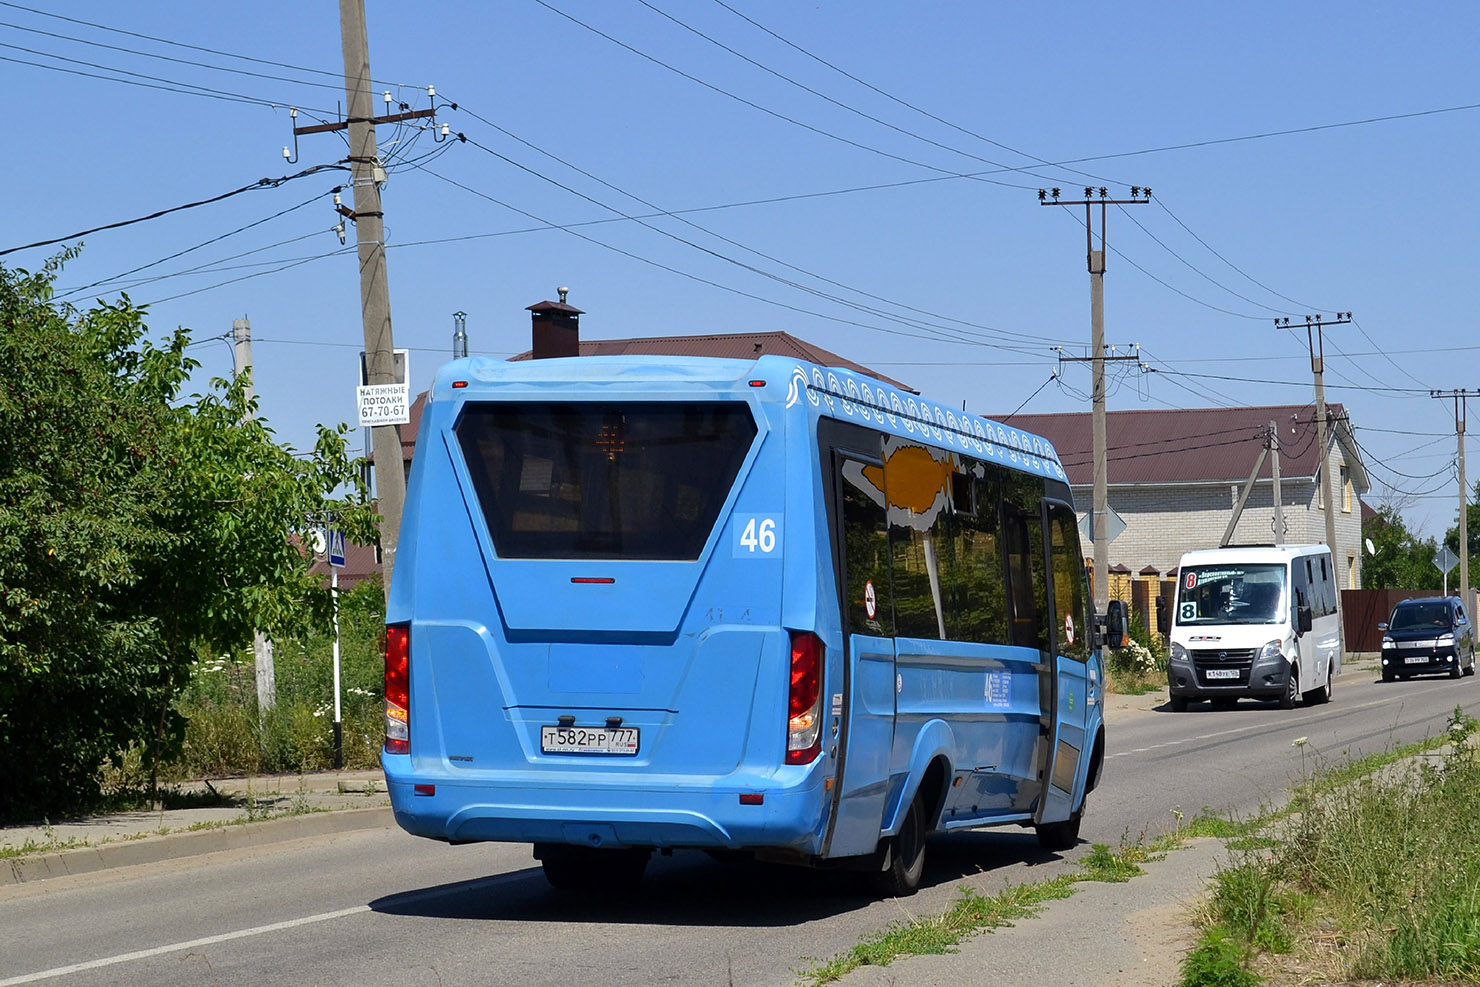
{"points": [[1370, 873], [974, 912]]}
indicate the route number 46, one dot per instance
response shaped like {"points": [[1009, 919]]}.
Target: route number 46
{"points": [[758, 534]]}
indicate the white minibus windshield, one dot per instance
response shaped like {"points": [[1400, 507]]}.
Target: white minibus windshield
{"points": [[1231, 594]]}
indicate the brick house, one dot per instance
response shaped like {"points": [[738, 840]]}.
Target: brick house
{"points": [[1174, 477]]}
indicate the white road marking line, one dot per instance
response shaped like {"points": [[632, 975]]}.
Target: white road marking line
{"points": [[144, 954]]}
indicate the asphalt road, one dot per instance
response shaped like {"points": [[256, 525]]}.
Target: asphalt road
{"points": [[379, 907]]}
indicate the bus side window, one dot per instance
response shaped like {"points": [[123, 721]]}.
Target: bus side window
{"points": [[977, 600], [1022, 530], [1071, 622], [868, 600], [1299, 590]]}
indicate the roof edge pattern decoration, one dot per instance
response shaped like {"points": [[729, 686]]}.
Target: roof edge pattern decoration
{"points": [[847, 395]]}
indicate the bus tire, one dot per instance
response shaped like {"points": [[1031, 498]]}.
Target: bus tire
{"points": [[1292, 689], [1179, 704], [904, 855], [1323, 694], [1060, 835], [587, 869]]}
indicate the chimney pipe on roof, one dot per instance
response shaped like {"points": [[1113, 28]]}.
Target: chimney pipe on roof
{"points": [[555, 328]]}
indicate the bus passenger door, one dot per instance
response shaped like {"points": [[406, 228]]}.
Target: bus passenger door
{"points": [[867, 693], [1074, 693]]}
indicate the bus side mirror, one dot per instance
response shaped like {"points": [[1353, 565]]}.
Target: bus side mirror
{"points": [[1303, 616], [1382, 625], [1117, 624]]}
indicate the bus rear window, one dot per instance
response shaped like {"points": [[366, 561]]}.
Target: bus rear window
{"points": [[581, 480]]}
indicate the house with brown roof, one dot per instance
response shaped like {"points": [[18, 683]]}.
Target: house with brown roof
{"points": [[1174, 477]]}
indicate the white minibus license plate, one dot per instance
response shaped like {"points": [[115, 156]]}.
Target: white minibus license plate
{"points": [[588, 740], [1222, 673]]}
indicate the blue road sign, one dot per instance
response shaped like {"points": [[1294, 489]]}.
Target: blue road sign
{"points": [[336, 548]]}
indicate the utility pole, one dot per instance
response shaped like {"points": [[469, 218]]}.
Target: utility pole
{"points": [[1274, 469], [1100, 526], [241, 349], [1317, 344], [1464, 494], [375, 301], [1270, 447]]}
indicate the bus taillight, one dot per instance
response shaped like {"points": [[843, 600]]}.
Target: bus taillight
{"points": [[804, 702], [398, 689]]}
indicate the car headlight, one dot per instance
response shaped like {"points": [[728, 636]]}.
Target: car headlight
{"points": [[1178, 653], [1388, 642], [1270, 651], [1446, 638]]}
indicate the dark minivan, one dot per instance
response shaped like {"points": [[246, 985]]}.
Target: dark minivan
{"points": [[1428, 635]]}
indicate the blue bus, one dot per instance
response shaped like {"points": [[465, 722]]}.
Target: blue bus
{"points": [[647, 603]]}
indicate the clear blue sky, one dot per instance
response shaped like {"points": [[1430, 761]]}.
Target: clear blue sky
{"points": [[912, 242]]}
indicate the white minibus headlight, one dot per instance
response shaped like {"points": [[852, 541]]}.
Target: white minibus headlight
{"points": [[1178, 653], [1270, 651]]}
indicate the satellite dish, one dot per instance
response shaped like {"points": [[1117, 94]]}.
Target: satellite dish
{"points": [[1371, 548], [321, 543]]}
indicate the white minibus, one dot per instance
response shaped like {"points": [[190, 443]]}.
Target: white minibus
{"points": [[1255, 623]]}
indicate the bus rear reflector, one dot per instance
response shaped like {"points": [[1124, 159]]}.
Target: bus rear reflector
{"points": [[804, 701], [398, 688]]}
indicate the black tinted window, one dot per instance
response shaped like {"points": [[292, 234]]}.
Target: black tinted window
{"points": [[1434, 614], [603, 480]]}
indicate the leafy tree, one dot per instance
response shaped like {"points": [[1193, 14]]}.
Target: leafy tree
{"points": [[1472, 523], [1402, 560], [137, 525]]}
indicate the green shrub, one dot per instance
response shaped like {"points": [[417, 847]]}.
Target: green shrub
{"points": [[1216, 961]]}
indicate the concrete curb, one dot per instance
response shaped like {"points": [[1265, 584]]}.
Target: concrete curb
{"points": [[170, 846]]}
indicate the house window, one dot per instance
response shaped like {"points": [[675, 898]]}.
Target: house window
{"points": [[1351, 571], [1346, 490]]}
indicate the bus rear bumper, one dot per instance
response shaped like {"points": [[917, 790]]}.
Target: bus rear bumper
{"points": [[712, 816]]}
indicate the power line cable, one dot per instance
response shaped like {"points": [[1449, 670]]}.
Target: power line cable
{"points": [[211, 287], [901, 102], [828, 99], [981, 176], [261, 183], [211, 267], [1190, 266], [937, 332], [1301, 305], [168, 58], [152, 81], [205, 243], [1029, 338], [1270, 134], [181, 44], [694, 277], [1388, 357], [1051, 377], [1290, 383]]}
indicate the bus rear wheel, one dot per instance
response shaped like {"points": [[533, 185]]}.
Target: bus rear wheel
{"points": [[904, 855], [584, 869], [1060, 835]]}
